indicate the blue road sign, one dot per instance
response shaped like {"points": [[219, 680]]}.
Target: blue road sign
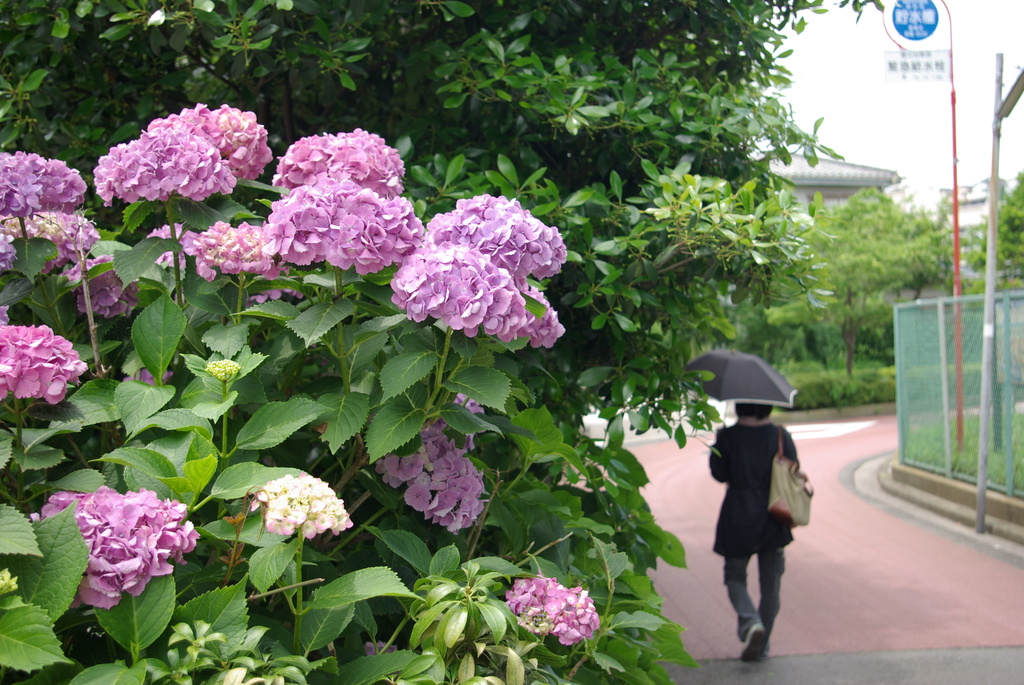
{"points": [[915, 19]]}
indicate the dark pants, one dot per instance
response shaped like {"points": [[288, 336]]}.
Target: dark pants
{"points": [[771, 564]]}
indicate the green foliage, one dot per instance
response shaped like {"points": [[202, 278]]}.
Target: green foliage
{"points": [[837, 389]]}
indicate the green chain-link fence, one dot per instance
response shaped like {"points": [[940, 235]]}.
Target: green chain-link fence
{"points": [[938, 388]]}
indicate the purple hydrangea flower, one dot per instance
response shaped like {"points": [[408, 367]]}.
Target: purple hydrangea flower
{"points": [[71, 233], [507, 233], [372, 648], [4, 318], [35, 362], [240, 139], [30, 183], [232, 250], [161, 163], [184, 239], [463, 288], [358, 156], [275, 294], [375, 232], [8, 255], [131, 538], [303, 226], [544, 606], [302, 503], [543, 332], [108, 296], [441, 481]]}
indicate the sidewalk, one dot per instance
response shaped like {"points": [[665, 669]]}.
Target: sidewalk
{"points": [[978, 665]]}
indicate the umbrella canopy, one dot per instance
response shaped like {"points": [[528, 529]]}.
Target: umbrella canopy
{"points": [[744, 378]]}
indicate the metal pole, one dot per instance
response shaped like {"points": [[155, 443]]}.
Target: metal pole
{"points": [[988, 328]]}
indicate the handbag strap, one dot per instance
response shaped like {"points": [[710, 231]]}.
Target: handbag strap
{"points": [[779, 452]]}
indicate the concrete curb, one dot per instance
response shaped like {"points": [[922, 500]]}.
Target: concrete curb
{"points": [[953, 499]]}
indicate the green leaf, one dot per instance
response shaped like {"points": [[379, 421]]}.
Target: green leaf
{"points": [[38, 457], [94, 402], [16, 534], [150, 462], [137, 401], [14, 291], [133, 216], [198, 215], [489, 387], [199, 472], [408, 546], [111, 674], [31, 256], [319, 319], [637, 619], [460, 9], [273, 309], [51, 581], [268, 563], [6, 450], [131, 264], [345, 416], [595, 375], [34, 80], [82, 480], [156, 333], [236, 481], [274, 422], [224, 609], [377, 581], [136, 622], [395, 424], [400, 372], [177, 420], [320, 627], [445, 561], [465, 421], [370, 669], [227, 339], [27, 641]]}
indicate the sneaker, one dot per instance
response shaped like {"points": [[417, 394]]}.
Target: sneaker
{"points": [[752, 643]]}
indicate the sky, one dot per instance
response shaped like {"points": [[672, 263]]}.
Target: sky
{"points": [[839, 73]]}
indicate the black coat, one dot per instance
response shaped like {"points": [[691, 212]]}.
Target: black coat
{"points": [[742, 458]]}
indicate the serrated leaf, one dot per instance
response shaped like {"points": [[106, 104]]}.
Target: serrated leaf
{"points": [[111, 674], [445, 561], [395, 424], [236, 481], [274, 422], [14, 291], [637, 619], [94, 402], [136, 622], [38, 457], [137, 401], [156, 333], [137, 212], [319, 319], [370, 669], [150, 462], [82, 480], [400, 372], [130, 265], [345, 416], [198, 215], [16, 534], [268, 563], [51, 581], [320, 627], [27, 641], [273, 309], [408, 546], [489, 387], [228, 339], [224, 609], [31, 256], [377, 581], [199, 472], [467, 422], [177, 420]]}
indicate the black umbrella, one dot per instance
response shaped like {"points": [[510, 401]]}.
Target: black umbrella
{"points": [[744, 378]]}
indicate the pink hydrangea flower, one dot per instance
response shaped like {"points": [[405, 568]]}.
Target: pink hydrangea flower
{"points": [[240, 139], [544, 606], [4, 318], [275, 294], [303, 226], [107, 295], [543, 331], [131, 538], [463, 288], [71, 233], [35, 362], [504, 231], [375, 232], [30, 183], [231, 250], [161, 163], [358, 156], [302, 503]]}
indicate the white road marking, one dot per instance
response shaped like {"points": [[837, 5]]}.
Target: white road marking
{"points": [[813, 431]]}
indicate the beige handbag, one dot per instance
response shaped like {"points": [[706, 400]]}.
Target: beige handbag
{"points": [[789, 498]]}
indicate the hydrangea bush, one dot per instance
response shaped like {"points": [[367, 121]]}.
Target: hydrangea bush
{"points": [[280, 436]]}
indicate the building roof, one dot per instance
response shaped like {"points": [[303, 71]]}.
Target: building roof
{"points": [[834, 172]]}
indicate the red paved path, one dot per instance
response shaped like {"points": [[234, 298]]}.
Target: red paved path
{"points": [[857, 579]]}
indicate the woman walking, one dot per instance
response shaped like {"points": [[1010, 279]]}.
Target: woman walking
{"points": [[742, 458]]}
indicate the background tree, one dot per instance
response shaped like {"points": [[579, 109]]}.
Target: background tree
{"points": [[1010, 246], [878, 251]]}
